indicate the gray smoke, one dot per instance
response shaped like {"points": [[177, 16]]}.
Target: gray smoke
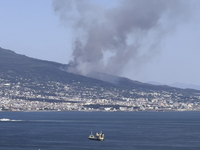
{"points": [[108, 39]]}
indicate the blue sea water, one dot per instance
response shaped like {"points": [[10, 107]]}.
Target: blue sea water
{"points": [[123, 130]]}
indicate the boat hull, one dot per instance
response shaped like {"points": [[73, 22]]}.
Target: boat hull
{"points": [[96, 139]]}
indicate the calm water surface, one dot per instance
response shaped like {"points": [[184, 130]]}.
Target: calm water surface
{"points": [[123, 130]]}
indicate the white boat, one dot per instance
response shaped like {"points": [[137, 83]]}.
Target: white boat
{"points": [[4, 119], [98, 137]]}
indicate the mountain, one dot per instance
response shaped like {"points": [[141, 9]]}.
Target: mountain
{"points": [[15, 66], [178, 85], [185, 86], [31, 84]]}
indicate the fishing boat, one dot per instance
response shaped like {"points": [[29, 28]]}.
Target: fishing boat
{"points": [[98, 137]]}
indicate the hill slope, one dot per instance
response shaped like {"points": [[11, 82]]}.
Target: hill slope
{"points": [[14, 66]]}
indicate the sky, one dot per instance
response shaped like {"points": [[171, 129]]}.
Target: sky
{"points": [[37, 28]]}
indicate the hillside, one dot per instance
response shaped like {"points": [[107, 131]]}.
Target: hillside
{"points": [[46, 85], [14, 67]]}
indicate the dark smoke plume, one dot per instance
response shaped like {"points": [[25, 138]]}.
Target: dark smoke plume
{"points": [[108, 39]]}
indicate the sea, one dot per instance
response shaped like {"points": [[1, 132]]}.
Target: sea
{"points": [[123, 130]]}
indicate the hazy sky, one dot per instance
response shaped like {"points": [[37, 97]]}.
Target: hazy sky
{"points": [[33, 28]]}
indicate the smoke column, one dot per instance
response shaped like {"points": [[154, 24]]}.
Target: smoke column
{"points": [[108, 39]]}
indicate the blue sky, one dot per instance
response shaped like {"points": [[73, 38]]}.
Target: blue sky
{"points": [[32, 28]]}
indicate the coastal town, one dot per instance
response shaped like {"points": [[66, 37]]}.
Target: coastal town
{"points": [[27, 95]]}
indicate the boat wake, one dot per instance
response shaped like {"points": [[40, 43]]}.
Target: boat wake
{"points": [[16, 120]]}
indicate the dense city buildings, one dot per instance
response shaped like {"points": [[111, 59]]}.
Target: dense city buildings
{"points": [[27, 95]]}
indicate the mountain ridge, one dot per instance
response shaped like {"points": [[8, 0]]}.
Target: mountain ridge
{"points": [[23, 66]]}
